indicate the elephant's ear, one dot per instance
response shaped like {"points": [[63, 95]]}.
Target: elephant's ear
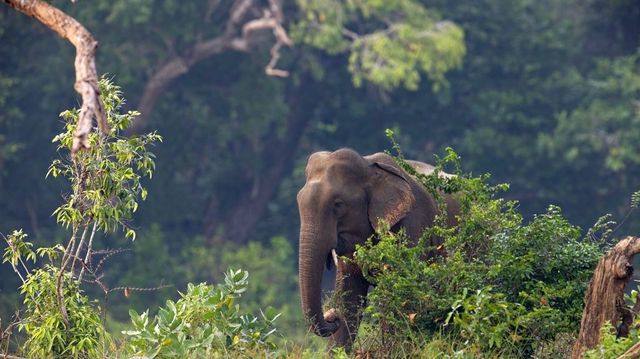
{"points": [[390, 195]]}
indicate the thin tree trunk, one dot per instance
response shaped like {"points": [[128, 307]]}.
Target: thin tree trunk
{"points": [[252, 204], [604, 299], [86, 76]]}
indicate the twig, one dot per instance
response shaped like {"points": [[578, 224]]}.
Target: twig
{"points": [[5, 334], [275, 56], [17, 272], [350, 34], [60, 280], [84, 235], [88, 255], [108, 255], [26, 270], [138, 289], [624, 219]]}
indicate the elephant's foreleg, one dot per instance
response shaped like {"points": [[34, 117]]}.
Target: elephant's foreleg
{"points": [[351, 291]]}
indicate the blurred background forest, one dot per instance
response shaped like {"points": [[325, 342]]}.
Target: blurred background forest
{"points": [[545, 97]]}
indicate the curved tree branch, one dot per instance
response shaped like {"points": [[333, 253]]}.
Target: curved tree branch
{"points": [[86, 76], [236, 36]]}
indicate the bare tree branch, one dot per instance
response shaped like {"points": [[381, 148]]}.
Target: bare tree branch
{"points": [[89, 246], [7, 356], [86, 76], [275, 56], [236, 36], [631, 353]]}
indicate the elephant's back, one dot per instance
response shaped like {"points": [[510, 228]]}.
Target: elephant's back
{"points": [[427, 169], [421, 167]]}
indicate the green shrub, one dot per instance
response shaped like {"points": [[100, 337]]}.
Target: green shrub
{"points": [[494, 287], [205, 322], [105, 188], [274, 279], [47, 333], [76, 331]]}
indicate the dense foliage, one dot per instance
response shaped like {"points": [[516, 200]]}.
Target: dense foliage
{"points": [[51, 332], [106, 179], [44, 325], [494, 287], [414, 39], [542, 94]]}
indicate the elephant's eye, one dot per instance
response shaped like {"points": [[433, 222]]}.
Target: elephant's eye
{"points": [[338, 204]]}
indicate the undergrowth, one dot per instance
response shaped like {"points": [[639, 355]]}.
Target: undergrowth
{"points": [[494, 286]]}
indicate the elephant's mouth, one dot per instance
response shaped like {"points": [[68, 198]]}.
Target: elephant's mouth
{"points": [[332, 258]]}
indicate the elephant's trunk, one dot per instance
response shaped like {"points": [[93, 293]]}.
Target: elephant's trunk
{"points": [[313, 254]]}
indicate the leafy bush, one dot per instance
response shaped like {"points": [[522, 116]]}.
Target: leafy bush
{"points": [[106, 185], [75, 332], [106, 179], [274, 280], [205, 322], [494, 287], [47, 333]]}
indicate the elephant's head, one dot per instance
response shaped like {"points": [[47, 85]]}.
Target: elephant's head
{"points": [[340, 205]]}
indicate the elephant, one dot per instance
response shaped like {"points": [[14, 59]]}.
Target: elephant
{"points": [[340, 204]]}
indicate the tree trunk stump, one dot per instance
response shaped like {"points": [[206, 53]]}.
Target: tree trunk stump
{"points": [[604, 299]]}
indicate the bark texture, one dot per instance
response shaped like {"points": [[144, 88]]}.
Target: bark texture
{"points": [[604, 300], [86, 76], [632, 353]]}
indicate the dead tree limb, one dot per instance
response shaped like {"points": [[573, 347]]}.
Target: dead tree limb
{"points": [[85, 64], [7, 356], [604, 299], [631, 353]]}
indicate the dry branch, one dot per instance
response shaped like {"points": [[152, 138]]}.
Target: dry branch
{"points": [[604, 299], [7, 356], [632, 353], [86, 76]]}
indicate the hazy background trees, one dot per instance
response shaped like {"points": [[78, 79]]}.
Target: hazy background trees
{"points": [[542, 94]]}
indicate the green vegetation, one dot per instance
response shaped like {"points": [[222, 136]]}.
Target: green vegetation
{"points": [[205, 322], [414, 40], [496, 286], [541, 94], [49, 333]]}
